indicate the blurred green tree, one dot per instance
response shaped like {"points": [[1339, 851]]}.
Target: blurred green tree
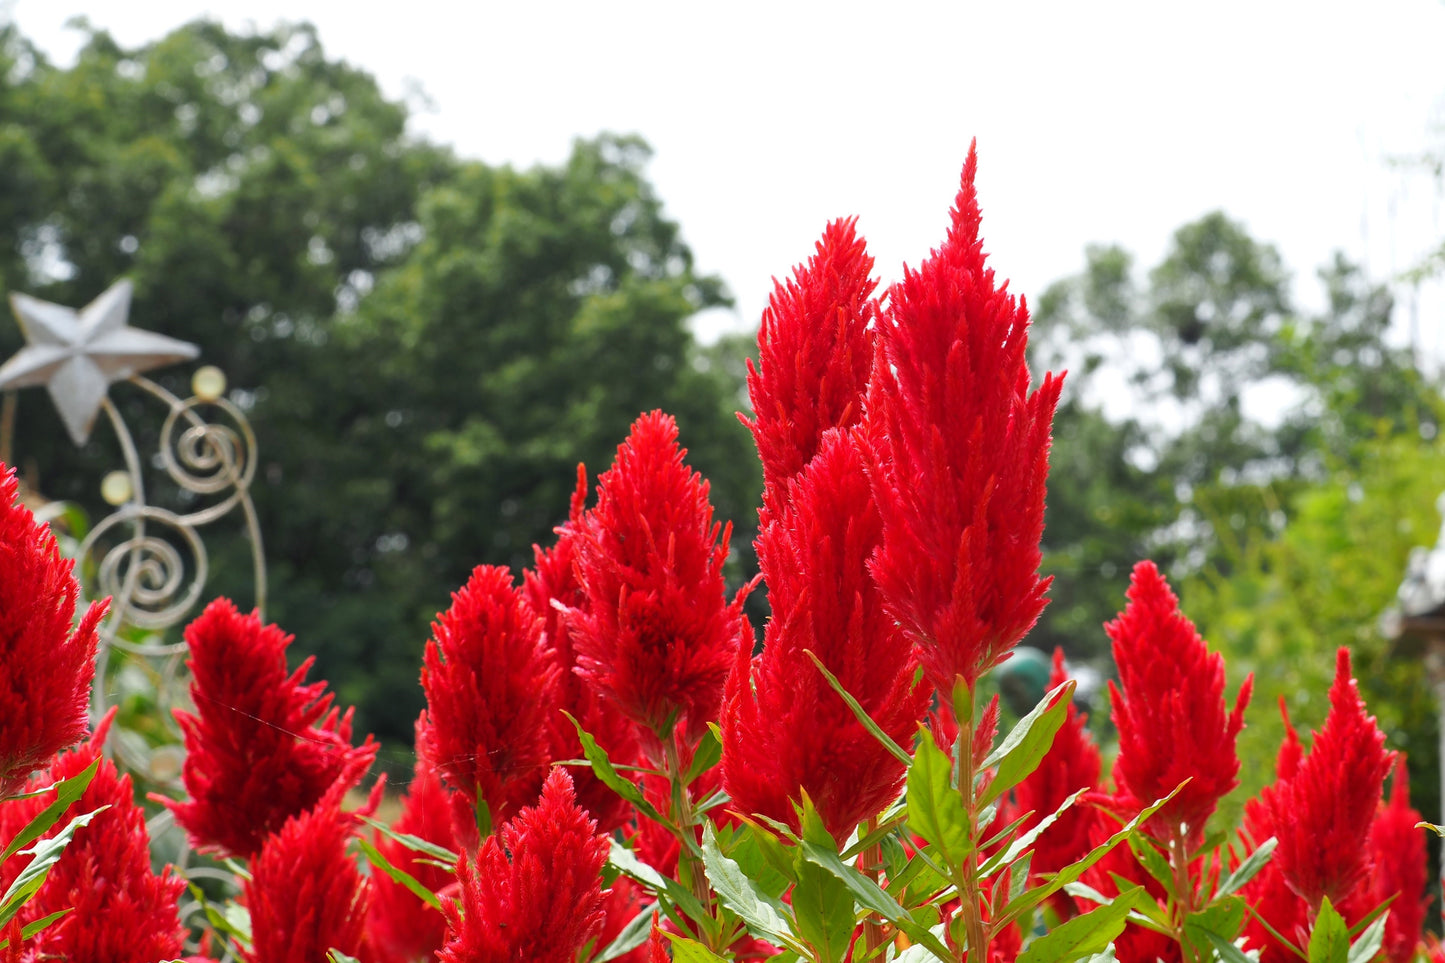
{"points": [[427, 347]]}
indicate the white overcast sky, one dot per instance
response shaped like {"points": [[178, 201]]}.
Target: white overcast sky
{"points": [[1099, 121]]}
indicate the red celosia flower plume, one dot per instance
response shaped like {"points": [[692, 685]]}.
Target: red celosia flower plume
{"points": [[491, 692], [262, 746], [1072, 763], [306, 893], [46, 662], [657, 634], [814, 354], [1170, 711], [785, 731], [545, 902], [119, 910], [1323, 812], [963, 451], [554, 580], [1398, 852], [400, 927]]}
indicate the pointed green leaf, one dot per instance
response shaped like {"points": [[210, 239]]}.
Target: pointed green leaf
{"points": [[1015, 849], [1248, 869], [1368, 946], [611, 778], [625, 861], [633, 935], [1155, 863], [1330, 940], [822, 913], [413, 885], [1223, 918], [1226, 950], [766, 916], [707, 754], [685, 950], [935, 808], [1026, 743], [336, 956], [1084, 935], [414, 843], [68, 791], [46, 853], [859, 712]]}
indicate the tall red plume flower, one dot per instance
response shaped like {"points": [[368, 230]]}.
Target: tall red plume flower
{"points": [[46, 663], [785, 731], [1072, 763], [1398, 854], [551, 587], [1170, 711], [814, 354], [262, 746], [119, 910], [657, 635], [963, 453], [1273, 900], [1323, 812], [491, 692], [400, 927], [306, 893], [545, 902]]}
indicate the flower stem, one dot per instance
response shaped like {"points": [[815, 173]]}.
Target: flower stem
{"points": [[970, 895], [870, 863]]}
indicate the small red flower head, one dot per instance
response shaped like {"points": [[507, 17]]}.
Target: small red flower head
{"points": [[815, 351], [491, 692], [545, 902], [46, 664], [262, 746], [306, 893], [963, 455], [1323, 812], [1170, 711], [1072, 763], [400, 927], [120, 911], [785, 731], [1398, 851], [657, 634]]}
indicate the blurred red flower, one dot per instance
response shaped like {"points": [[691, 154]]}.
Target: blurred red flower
{"points": [[46, 661], [262, 745], [963, 456]]}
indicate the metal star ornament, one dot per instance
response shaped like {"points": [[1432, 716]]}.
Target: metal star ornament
{"points": [[77, 355]]}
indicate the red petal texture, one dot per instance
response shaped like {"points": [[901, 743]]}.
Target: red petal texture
{"points": [[46, 662], [1170, 711], [400, 927], [262, 745], [814, 354], [785, 731], [545, 902], [657, 635], [306, 893], [121, 912], [1072, 763], [491, 692], [1323, 813], [963, 453], [1398, 851], [553, 582]]}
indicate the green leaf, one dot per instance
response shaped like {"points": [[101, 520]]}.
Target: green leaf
{"points": [[1084, 935], [1367, 947], [627, 863], [766, 916], [858, 711], [633, 935], [822, 913], [1223, 918], [1016, 848], [762, 856], [1330, 940], [935, 808], [611, 778], [35, 926], [1226, 950], [336, 956], [1155, 863], [1248, 869], [378, 859], [414, 843], [67, 792], [685, 950], [1026, 743], [46, 853], [707, 754]]}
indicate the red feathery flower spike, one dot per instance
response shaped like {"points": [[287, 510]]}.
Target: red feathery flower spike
{"points": [[306, 894], [657, 635], [814, 354], [400, 927], [1072, 763], [46, 663], [119, 910], [1398, 851], [262, 746], [1323, 812], [963, 457], [1170, 711], [785, 731], [491, 692], [554, 578], [545, 902]]}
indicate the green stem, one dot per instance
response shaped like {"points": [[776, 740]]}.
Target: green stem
{"points": [[688, 862], [1184, 897], [870, 863], [970, 894]]}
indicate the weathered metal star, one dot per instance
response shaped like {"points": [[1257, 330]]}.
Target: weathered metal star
{"points": [[78, 355]]}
